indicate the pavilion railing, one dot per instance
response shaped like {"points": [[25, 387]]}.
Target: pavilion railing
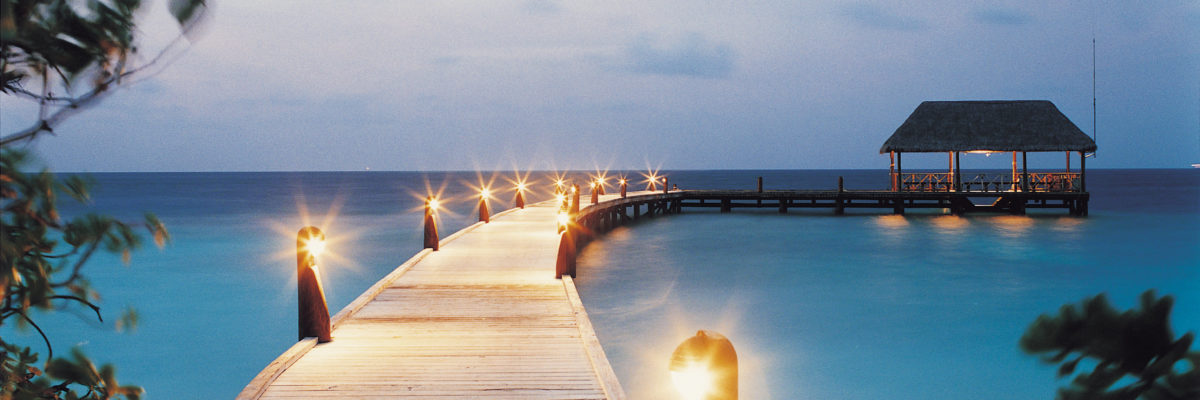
{"points": [[944, 182]]}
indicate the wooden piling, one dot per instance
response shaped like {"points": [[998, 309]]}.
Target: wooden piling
{"points": [[485, 215], [520, 200]]}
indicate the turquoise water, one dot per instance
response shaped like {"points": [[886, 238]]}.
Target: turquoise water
{"points": [[873, 306], [859, 306]]}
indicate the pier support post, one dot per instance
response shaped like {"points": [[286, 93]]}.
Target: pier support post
{"points": [[431, 230], [840, 208], [759, 201], [565, 265], [313, 311], [898, 206], [783, 203], [725, 205]]}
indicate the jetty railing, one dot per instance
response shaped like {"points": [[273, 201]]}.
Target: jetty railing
{"points": [[944, 182]]}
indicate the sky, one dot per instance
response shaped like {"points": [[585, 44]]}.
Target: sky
{"points": [[305, 85]]}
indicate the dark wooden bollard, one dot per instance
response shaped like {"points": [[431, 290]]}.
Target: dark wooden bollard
{"points": [[666, 188], [624, 186], [520, 201], [595, 193], [565, 265], [313, 312], [600, 186], [485, 215], [431, 231], [575, 199]]}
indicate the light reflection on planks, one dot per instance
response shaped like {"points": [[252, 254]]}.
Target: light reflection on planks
{"points": [[482, 317]]}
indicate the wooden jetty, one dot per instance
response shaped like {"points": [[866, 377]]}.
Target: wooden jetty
{"points": [[492, 311], [482, 317]]}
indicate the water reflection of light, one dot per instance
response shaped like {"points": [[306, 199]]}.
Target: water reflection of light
{"points": [[1013, 226], [1068, 224], [892, 221], [950, 223]]}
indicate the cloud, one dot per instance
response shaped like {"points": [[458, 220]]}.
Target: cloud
{"points": [[694, 55], [873, 16], [542, 7], [998, 16]]}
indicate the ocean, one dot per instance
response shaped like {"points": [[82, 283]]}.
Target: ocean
{"points": [[862, 306]]}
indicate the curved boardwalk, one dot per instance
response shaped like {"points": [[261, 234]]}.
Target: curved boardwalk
{"points": [[483, 317]]}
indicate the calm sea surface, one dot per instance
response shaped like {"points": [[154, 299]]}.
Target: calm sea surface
{"points": [[862, 306]]}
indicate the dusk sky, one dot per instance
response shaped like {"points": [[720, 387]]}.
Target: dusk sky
{"points": [[461, 85]]}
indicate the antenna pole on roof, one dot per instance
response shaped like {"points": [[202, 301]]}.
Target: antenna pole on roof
{"points": [[1094, 92]]}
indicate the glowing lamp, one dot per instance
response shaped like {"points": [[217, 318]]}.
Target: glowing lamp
{"points": [[485, 193], [622, 181], [434, 204], [563, 219], [704, 367], [315, 245], [521, 187], [561, 197]]}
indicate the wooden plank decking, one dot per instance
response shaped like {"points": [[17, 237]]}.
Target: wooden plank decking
{"points": [[483, 317]]}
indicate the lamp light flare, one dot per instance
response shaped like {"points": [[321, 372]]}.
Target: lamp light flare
{"points": [[315, 246], [521, 186], [485, 193], [693, 382], [434, 204], [563, 219]]}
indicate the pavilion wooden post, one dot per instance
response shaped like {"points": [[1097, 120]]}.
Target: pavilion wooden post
{"points": [[313, 311], [950, 174], [899, 172], [1025, 187], [892, 169], [1014, 171], [431, 231], [957, 173]]}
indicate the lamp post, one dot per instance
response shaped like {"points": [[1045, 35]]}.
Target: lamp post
{"points": [[431, 231], [575, 199], [313, 312], [595, 192], [624, 185], [704, 367], [484, 215], [520, 201]]}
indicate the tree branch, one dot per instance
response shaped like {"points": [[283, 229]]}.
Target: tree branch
{"points": [[49, 348]]}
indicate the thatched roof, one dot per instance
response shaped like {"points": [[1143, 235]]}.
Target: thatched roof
{"points": [[1024, 125]]}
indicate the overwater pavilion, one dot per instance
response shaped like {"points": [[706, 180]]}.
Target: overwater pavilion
{"points": [[955, 127]]}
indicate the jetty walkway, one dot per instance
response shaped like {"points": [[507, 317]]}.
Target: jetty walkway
{"points": [[482, 317]]}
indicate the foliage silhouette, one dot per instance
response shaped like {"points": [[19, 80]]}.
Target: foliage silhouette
{"points": [[64, 56], [1135, 348]]}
